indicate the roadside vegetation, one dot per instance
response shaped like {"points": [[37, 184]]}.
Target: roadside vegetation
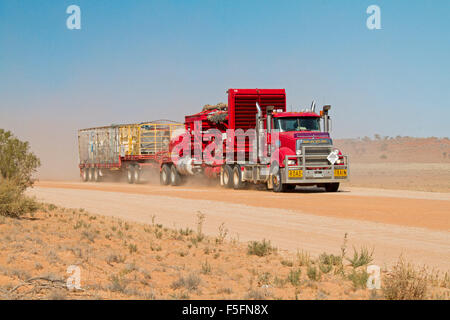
{"points": [[17, 165], [125, 260]]}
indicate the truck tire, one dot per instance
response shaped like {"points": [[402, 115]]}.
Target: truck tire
{"points": [[279, 186], [130, 174], [227, 176], [85, 174], [332, 187], [164, 175], [237, 178], [137, 174], [175, 178], [91, 174], [276, 181], [96, 175]]}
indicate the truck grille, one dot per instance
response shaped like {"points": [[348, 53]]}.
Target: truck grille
{"points": [[317, 155]]}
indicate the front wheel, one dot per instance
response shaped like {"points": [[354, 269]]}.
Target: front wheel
{"points": [[278, 185], [332, 187], [276, 181]]}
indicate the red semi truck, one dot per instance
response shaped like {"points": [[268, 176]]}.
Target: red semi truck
{"points": [[291, 148]]}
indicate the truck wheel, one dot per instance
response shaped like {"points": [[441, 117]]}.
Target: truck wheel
{"points": [[85, 174], [137, 174], [175, 178], [227, 176], [130, 174], [164, 175], [237, 178], [276, 182], [332, 187], [96, 175], [91, 174], [278, 186]]}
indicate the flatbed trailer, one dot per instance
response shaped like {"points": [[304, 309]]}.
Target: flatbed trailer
{"points": [[126, 149]]}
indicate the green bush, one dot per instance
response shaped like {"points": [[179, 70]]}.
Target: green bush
{"points": [[260, 248], [359, 279], [362, 258], [12, 201], [17, 163], [294, 277]]}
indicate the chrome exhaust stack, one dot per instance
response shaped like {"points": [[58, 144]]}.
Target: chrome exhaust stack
{"points": [[326, 118], [258, 130]]}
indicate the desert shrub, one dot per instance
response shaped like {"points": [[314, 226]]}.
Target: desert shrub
{"points": [[206, 267], [294, 277], [325, 268], [13, 203], [256, 294], [190, 282], [405, 282], [287, 263], [330, 259], [313, 273], [117, 284], [17, 163], [359, 279], [361, 258], [304, 259], [260, 248]]}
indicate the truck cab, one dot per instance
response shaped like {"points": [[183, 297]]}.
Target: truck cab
{"points": [[305, 153]]}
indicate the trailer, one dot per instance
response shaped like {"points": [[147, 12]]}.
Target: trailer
{"points": [[291, 148], [124, 150]]}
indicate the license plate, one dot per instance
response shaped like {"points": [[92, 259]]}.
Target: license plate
{"points": [[340, 172], [295, 173], [318, 174]]}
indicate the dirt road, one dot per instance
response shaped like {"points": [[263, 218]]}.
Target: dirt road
{"points": [[415, 224]]}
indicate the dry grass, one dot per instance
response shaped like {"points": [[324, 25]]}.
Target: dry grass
{"points": [[405, 282], [126, 260]]}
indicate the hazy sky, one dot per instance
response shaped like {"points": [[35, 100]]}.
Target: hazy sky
{"points": [[135, 61]]}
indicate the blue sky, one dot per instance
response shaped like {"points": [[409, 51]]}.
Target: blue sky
{"points": [[142, 60]]}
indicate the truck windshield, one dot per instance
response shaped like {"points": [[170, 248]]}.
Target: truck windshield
{"points": [[297, 124]]}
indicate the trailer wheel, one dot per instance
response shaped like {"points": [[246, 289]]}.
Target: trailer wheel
{"points": [[96, 175], [164, 175], [332, 187], [85, 174], [227, 176], [91, 174], [237, 178], [130, 174], [175, 178], [137, 174]]}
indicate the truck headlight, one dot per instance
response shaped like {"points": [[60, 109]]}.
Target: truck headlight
{"points": [[291, 162], [340, 161], [299, 152]]}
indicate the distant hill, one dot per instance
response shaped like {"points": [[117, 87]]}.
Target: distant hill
{"points": [[398, 149]]}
